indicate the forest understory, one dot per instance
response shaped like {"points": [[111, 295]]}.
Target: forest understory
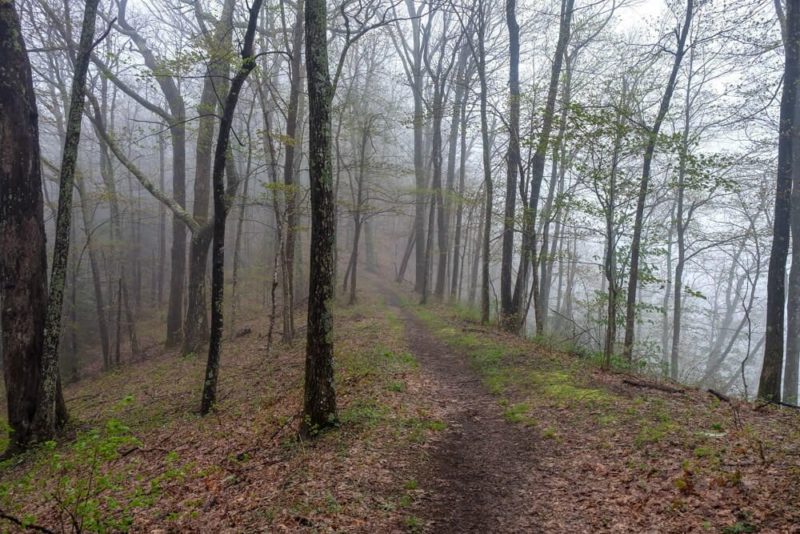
{"points": [[446, 426]]}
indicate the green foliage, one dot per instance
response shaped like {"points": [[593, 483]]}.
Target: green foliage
{"points": [[420, 426], [364, 412], [518, 413], [549, 433], [651, 433], [413, 523], [740, 527], [82, 482], [702, 451], [397, 386], [77, 479], [410, 484]]}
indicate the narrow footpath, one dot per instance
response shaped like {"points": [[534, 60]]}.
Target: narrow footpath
{"points": [[480, 473]]}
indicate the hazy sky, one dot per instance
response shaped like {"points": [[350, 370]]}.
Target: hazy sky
{"points": [[640, 11]]}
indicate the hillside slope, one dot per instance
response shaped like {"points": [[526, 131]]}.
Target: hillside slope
{"points": [[446, 426]]}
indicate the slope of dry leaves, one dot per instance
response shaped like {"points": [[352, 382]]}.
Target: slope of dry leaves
{"points": [[242, 468], [446, 426], [615, 457]]}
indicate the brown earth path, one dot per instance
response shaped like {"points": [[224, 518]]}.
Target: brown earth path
{"points": [[481, 472]]}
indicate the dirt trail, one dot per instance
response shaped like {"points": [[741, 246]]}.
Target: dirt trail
{"points": [[480, 474]]}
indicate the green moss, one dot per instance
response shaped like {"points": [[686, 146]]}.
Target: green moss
{"points": [[516, 413], [410, 484], [549, 433], [702, 451], [413, 524], [569, 392], [397, 386], [651, 433], [364, 412]]}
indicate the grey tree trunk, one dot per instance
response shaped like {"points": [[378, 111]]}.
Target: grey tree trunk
{"points": [[652, 137], [528, 253], [100, 306], [218, 43], [487, 167], [508, 313], [290, 192], [682, 219], [462, 172], [790, 379]]}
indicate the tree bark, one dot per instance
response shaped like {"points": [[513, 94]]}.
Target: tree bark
{"points": [[528, 253], [780, 243], [652, 138], [681, 224], [290, 193], [102, 323], [47, 417], [222, 202], [319, 406], [508, 314], [487, 163], [462, 173], [215, 84], [23, 256]]}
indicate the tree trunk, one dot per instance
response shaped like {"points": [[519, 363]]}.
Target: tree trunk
{"points": [[290, 192], [666, 323], [476, 256], [178, 249], [47, 419], [417, 81], [680, 227], [487, 165], [23, 256], [428, 249], [401, 272], [610, 264], [319, 406], [195, 329], [787, 178], [162, 226], [508, 314], [455, 123], [369, 246], [102, 323], [558, 174], [462, 173], [652, 138], [528, 253], [237, 256], [222, 194]]}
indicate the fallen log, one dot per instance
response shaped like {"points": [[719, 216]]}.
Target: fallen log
{"points": [[720, 396], [651, 385]]}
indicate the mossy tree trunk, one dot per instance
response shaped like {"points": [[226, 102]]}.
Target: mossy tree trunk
{"points": [[319, 407], [48, 418]]}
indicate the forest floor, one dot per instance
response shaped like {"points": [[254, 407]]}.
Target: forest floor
{"points": [[446, 426]]}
